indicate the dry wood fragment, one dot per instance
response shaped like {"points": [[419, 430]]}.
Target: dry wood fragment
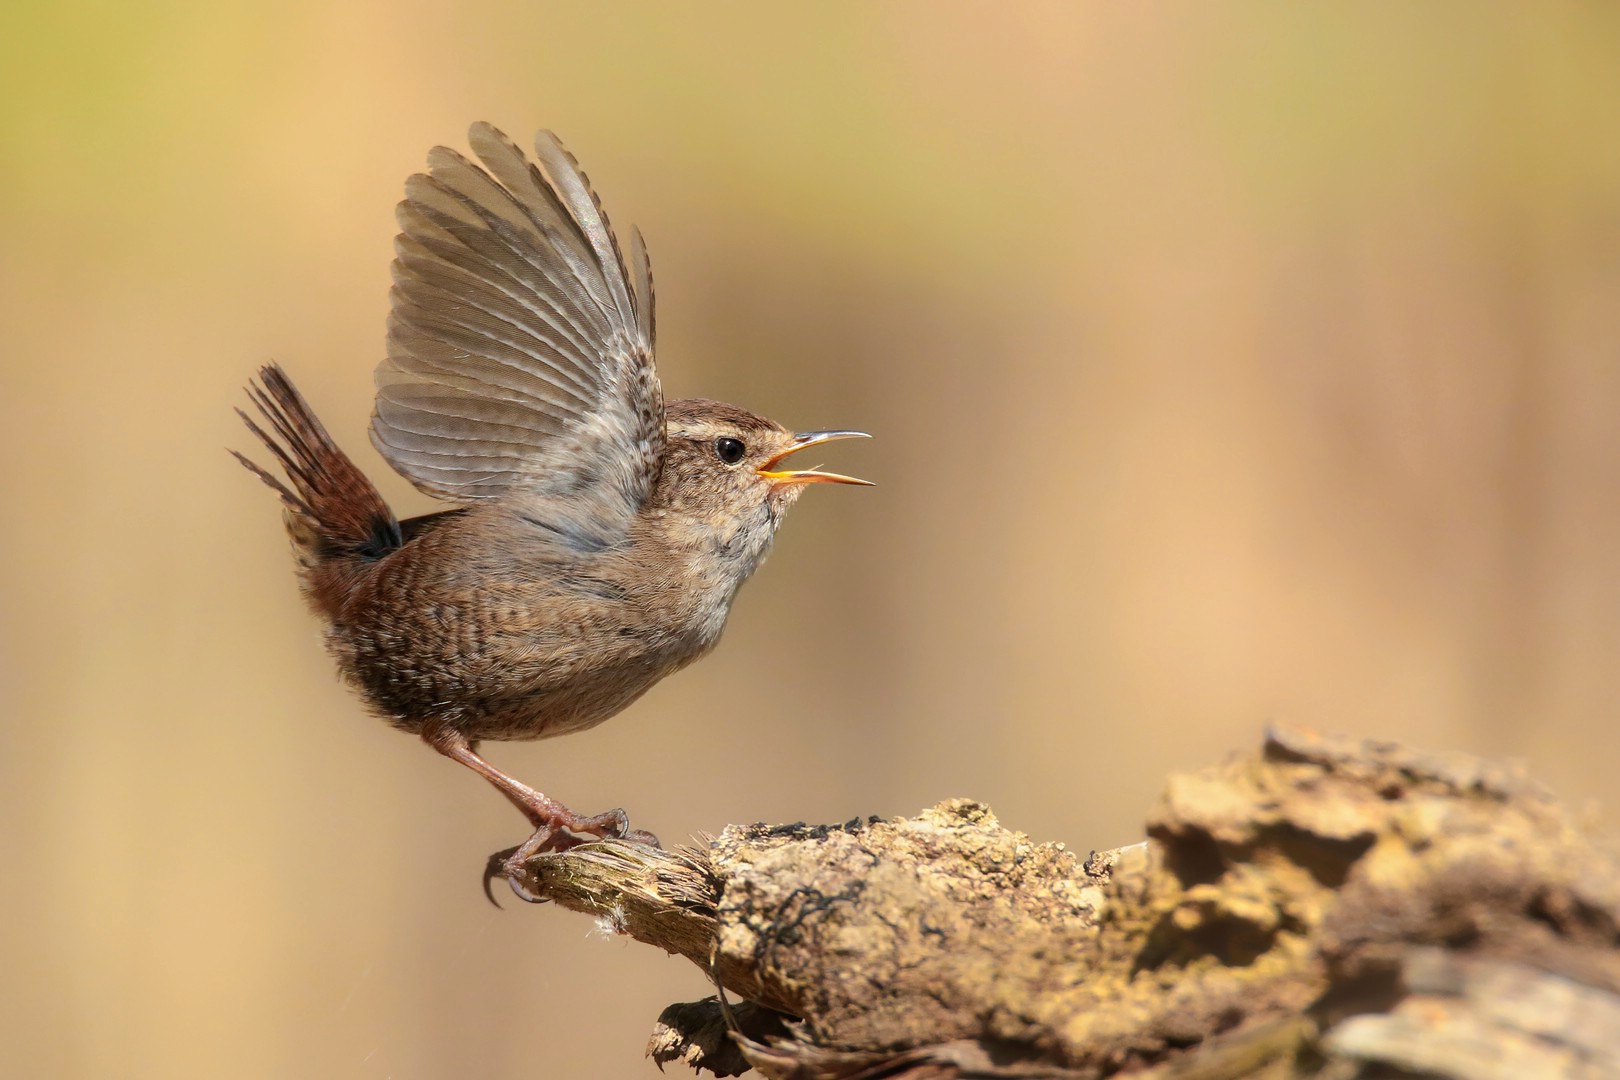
{"points": [[1326, 908]]}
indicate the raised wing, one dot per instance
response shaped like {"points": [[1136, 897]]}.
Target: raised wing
{"points": [[520, 357]]}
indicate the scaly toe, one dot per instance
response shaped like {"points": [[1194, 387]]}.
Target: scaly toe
{"points": [[608, 824]]}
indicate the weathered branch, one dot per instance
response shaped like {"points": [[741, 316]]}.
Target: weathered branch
{"points": [[1324, 908]]}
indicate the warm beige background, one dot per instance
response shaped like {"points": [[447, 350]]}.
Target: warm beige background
{"points": [[1227, 363]]}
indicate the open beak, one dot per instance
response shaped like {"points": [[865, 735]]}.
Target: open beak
{"points": [[803, 440]]}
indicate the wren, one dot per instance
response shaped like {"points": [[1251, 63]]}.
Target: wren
{"points": [[599, 534]]}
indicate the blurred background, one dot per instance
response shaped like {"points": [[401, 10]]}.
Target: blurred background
{"points": [[1228, 364]]}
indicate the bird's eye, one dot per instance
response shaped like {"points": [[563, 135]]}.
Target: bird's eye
{"points": [[729, 450]]}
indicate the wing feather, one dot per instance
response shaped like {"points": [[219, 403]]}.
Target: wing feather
{"points": [[520, 345], [644, 286], [586, 211]]}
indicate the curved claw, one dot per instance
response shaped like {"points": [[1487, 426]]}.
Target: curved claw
{"points": [[509, 862], [506, 864], [494, 868]]}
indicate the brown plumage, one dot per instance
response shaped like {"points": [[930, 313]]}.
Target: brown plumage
{"points": [[599, 535]]}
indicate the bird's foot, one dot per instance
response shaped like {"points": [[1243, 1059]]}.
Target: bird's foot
{"points": [[557, 833]]}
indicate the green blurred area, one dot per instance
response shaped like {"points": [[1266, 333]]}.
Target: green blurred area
{"points": [[1227, 363]]}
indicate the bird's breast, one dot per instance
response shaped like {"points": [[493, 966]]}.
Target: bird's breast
{"points": [[515, 641]]}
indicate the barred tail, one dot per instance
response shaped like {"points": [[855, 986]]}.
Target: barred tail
{"points": [[333, 511]]}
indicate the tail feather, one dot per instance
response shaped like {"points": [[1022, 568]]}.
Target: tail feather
{"points": [[333, 510]]}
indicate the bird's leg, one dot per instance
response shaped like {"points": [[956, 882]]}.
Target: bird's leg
{"points": [[553, 822], [556, 828]]}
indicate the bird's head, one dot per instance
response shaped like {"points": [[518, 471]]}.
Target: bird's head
{"points": [[725, 474]]}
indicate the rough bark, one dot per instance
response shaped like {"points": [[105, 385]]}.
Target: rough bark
{"points": [[1325, 907]]}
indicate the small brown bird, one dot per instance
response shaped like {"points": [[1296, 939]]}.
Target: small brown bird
{"points": [[600, 535]]}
